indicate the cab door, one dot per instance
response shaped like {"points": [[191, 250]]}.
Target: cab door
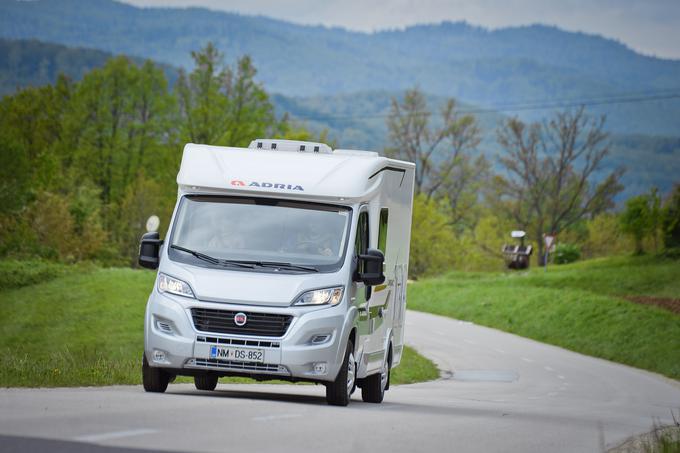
{"points": [[380, 304], [361, 294]]}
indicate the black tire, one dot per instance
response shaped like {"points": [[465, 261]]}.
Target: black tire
{"points": [[339, 391], [206, 381], [374, 386], [154, 379]]}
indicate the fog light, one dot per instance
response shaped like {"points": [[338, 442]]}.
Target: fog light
{"points": [[320, 368], [158, 356]]}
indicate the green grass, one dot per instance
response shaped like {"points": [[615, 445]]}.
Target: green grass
{"points": [[577, 306], [84, 326], [413, 368]]}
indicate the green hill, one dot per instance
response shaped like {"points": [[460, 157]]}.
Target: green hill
{"points": [[476, 65], [34, 63]]}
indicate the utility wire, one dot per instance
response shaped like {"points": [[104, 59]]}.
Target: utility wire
{"points": [[524, 106]]}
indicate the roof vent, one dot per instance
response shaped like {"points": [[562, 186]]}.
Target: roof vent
{"points": [[290, 145]]}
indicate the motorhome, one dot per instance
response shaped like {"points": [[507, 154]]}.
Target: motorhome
{"points": [[284, 260]]}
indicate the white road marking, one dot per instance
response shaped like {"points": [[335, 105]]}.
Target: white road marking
{"points": [[499, 350], [113, 435], [559, 376], [553, 394], [439, 332], [526, 359], [469, 341], [547, 368], [268, 418]]}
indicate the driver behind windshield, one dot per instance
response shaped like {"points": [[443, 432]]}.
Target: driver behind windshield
{"points": [[226, 234], [313, 238]]}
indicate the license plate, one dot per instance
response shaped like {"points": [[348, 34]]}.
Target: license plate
{"points": [[237, 354]]}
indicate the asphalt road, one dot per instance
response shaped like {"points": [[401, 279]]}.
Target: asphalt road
{"points": [[500, 393]]}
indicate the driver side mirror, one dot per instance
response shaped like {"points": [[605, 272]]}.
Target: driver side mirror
{"points": [[372, 267], [149, 250]]}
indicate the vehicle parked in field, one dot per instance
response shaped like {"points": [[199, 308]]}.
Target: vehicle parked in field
{"points": [[284, 260]]}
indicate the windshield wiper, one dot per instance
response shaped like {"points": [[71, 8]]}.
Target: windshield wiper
{"points": [[211, 259], [277, 265], [280, 265], [244, 263]]}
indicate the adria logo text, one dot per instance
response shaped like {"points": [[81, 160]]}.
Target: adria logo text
{"points": [[266, 185]]}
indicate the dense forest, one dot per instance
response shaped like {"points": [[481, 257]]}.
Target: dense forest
{"points": [[498, 68]]}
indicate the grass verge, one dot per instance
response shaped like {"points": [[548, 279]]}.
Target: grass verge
{"points": [[578, 307], [84, 327]]}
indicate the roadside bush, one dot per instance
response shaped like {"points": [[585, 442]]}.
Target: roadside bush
{"points": [[63, 227], [433, 244], [567, 253], [18, 273], [671, 220], [605, 237]]}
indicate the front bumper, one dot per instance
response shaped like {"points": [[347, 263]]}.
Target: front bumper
{"points": [[172, 341]]}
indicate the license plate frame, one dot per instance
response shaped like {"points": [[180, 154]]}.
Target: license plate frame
{"points": [[236, 354]]}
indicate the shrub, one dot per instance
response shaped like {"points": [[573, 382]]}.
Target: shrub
{"points": [[671, 220], [433, 246], [567, 253], [16, 273]]}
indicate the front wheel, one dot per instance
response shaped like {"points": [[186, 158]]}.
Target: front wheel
{"points": [[154, 379], [339, 391], [374, 386]]}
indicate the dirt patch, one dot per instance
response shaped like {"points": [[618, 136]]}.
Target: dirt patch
{"points": [[663, 302]]}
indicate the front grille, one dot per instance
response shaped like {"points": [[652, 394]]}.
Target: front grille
{"points": [[238, 366], [258, 324], [239, 342]]}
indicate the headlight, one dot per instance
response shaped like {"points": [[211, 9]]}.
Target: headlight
{"points": [[330, 296], [174, 286]]}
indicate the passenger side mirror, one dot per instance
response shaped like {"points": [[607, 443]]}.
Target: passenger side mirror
{"points": [[149, 250], [372, 267]]}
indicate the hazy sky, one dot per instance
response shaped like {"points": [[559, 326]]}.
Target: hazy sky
{"points": [[651, 27]]}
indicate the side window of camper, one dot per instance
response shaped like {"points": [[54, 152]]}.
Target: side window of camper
{"points": [[382, 231]]}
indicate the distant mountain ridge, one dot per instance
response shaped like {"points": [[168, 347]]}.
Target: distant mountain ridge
{"points": [[478, 66], [34, 63]]}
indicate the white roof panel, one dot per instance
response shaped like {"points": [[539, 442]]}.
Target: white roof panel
{"points": [[307, 175]]}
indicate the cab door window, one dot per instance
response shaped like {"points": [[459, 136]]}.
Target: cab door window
{"points": [[382, 231], [361, 244]]}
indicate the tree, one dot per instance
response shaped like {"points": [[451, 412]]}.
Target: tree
{"points": [[441, 152], [222, 106], [551, 170], [671, 220], [433, 239], [637, 221]]}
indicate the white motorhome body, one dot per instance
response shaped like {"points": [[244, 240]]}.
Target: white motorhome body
{"points": [[278, 257]]}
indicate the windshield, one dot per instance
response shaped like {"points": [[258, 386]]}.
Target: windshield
{"points": [[262, 231]]}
